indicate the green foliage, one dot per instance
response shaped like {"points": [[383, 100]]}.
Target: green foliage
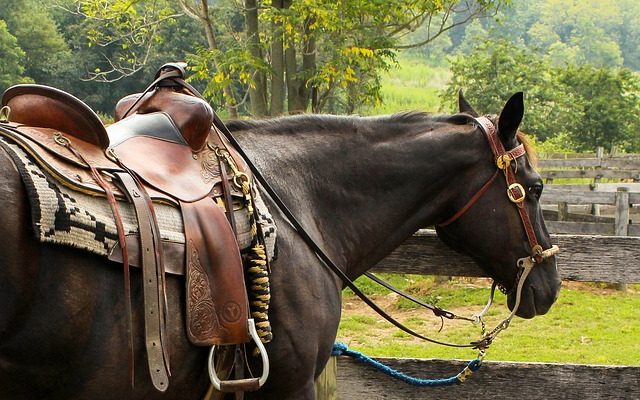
{"points": [[45, 52], [496, 70], [585, 106], [610, 103], [11, 67], [124, 32], [600, 33]]}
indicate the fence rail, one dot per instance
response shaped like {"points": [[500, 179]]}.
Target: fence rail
{"points": [[587, 258], [496, 380], [582, 258]]}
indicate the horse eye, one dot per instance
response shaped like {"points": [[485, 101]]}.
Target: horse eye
{"points": [[536, 190]]}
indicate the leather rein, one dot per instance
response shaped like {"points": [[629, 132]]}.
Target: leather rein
{"points": [[516, 194]]}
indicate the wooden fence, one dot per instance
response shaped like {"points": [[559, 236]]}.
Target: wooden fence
{"points": [[593, 223], [583, 258], [594, 207], [594, 167]]}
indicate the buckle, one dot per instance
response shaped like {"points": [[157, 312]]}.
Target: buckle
{"points": [[516, 193]]}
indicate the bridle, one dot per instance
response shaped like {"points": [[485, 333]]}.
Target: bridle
{"points": [[505, 162], [515, 191], [516, 194]]}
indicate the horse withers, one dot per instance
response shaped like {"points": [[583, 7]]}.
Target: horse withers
{"points": [[359, 186]]}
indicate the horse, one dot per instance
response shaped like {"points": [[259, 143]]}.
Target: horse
{"points": [[359, 186]]}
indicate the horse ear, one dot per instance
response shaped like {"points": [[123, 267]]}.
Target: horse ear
{"points": [[511, 117], [464, 105]]}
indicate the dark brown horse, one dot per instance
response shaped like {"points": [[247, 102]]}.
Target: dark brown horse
{"points": [[360, 186]]}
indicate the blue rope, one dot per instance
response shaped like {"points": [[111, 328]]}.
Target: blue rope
{"points": [[341, 349]]}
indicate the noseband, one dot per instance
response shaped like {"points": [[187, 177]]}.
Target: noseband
{"points": [[516, 194]]}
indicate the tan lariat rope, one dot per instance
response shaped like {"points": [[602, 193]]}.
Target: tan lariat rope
{"points": [[256, 261]]}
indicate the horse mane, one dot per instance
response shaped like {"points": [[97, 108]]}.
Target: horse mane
{"points": [[532, 153], [301, 123], [313, 122]]}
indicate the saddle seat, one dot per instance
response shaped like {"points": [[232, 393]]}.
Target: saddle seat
{"points": [[48, 107], [171, 165], [187, 118]]}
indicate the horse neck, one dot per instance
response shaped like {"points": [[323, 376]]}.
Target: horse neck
{"points": [[363, 192]]}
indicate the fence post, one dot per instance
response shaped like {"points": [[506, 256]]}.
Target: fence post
{"points": [[599, 154], [563, 211], [327, 382], [622, 220]]}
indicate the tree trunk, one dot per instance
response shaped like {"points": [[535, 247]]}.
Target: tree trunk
{"points": [[295, 103], [277, 65], [258, 91], [202, 15], [308, 66], [297, 90]]}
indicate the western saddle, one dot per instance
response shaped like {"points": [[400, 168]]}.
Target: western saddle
{"points": [[163, 147]]}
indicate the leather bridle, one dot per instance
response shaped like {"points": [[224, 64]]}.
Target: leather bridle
{"points": [[506, 162], [515, 191]]}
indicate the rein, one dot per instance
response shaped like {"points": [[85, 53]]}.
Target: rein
{"points": [[515, 192]]}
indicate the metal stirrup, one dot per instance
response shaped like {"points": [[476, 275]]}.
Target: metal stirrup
{"points": [[225, 386]]}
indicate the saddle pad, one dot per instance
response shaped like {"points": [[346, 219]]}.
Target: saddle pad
{"points": [[63, 216]]}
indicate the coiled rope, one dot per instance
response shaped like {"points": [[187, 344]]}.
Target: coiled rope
{"points": [[341, 349]]}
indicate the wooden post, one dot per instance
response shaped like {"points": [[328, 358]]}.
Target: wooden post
{"points": [[595, 208], [622, 220], [326, 383], [563, 211], [599, 154]]}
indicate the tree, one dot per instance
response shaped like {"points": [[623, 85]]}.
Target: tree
{"points": [[107, 62], [603, 33], [496, 70], [584, 106], [12, 65], [45, 51], [610, 107], [311, 54]]}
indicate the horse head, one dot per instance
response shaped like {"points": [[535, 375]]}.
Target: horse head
{"points": [[500, 224]]}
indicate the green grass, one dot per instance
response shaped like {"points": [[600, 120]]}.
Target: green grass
{"points": [[588, 324], [412, 85]]}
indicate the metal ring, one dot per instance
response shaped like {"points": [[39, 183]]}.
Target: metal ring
{"points": [[111, 154], [240, 178], [503, 161], [5, 111], [61, 140]]}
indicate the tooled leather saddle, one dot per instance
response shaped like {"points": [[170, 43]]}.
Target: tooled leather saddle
{"points": [[163, 147]]}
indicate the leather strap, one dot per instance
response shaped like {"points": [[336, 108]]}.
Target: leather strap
{"points": [[226, 195], [472, 200], [152, 276], [515, 189]]}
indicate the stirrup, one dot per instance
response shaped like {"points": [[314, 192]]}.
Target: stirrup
{"points": [[241, 384]]}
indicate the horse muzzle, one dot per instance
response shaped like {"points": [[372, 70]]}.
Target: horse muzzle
{"points": [[538, 285]]}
